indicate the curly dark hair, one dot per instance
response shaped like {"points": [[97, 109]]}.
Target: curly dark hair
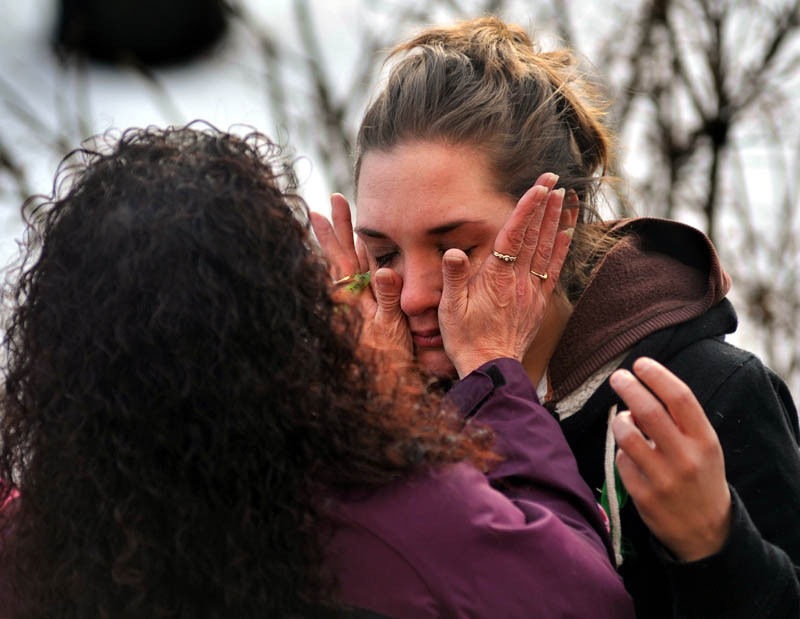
{"points": [[180, 389]]}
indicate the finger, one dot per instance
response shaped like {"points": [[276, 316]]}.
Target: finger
{"points": [[455, 275], [363, 259], [388, 285], [327, 240], [320, 225], [631, 440], [571, 210], [342, 222], [560, 251], [537, 203], [543, 244], [648, 412], [566, 226], [683, 407], [357, 292], [548, 179], [511, 236], [632, 477]]}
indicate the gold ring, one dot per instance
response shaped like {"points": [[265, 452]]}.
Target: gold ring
{"points": [[355, 282], [345, 279], [503, 257], [542, 276]]}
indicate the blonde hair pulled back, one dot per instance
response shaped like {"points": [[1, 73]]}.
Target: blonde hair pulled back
{"points": [[485, 84]]}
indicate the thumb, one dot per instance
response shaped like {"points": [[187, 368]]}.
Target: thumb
{"points": [[455, 272], [387, 291]]}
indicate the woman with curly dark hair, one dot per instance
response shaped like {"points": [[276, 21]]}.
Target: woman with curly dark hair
{"points": [[187, 429]]}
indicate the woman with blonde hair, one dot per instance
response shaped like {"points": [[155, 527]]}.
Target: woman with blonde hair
{"points": [[470, 116]]}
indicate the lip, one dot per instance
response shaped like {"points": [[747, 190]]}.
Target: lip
{"points": [[428, 338]]}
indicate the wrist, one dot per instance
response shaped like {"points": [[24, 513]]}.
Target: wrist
{"points": [[710, 542], [468, 363]]}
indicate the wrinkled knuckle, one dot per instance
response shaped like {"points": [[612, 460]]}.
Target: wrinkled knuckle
{"points": [[690, 467], [683, 396], [626, 439], [545, 248], [685, 469], [646, 415], [665, 486], [515, 237], [503, 277], [711, 449]]}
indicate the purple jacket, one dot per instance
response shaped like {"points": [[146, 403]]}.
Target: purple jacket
{"points": [[446, 543]]}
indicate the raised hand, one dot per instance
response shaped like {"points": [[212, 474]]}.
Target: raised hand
{"points": [[375, 295], [497, 311], [671, 461]]}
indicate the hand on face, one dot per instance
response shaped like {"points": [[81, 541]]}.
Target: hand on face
{"points": [[497, 311], [385, 326], [676, 476]]}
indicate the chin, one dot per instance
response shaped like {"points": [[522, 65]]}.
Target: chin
{"points": [[436, 362]]}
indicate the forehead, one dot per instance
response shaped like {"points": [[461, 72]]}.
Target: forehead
{"points": [[426, 184]]}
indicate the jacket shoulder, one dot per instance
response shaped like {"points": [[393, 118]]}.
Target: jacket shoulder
{"points": [[756, 420], [725, 378]]}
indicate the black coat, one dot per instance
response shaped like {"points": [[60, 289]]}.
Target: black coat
{"points": [[757, 573]]}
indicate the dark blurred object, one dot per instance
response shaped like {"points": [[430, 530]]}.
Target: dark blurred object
{"points": [[150, 32]]}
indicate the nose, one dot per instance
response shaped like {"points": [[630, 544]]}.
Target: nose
{"points": [[422, 285]]}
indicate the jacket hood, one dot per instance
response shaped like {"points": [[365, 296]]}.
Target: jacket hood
{"points": [[660, 273]]}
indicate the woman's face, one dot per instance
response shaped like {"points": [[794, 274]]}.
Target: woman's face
{"points": [[416, 201]]}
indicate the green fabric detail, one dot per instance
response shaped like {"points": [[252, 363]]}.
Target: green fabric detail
{"points": [[360, 282]]}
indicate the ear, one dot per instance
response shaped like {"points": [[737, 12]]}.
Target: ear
{"points": [[569, 214]]}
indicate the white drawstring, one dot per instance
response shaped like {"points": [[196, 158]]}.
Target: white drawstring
{"points": [[611, 489], [573, 403]]}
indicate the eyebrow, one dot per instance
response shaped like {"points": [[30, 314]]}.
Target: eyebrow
{"points": [[436, 231]]}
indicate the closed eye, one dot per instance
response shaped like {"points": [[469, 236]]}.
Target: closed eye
{"points": [[467, 251], [384, 260]]}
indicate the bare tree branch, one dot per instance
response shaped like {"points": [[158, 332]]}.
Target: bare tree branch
{"points": [[15, 170]]}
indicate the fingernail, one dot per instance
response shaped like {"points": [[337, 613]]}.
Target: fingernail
{"points": [[643, 364], [382, 278], [553, 178], [569, 232], [620, 378], [623, 415], [559, 192], [539, 192], [452, 261]]}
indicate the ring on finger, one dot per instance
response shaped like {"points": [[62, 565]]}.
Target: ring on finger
{"points": [[355, 282], [345, 279], [504, 257], [542, 276]]}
